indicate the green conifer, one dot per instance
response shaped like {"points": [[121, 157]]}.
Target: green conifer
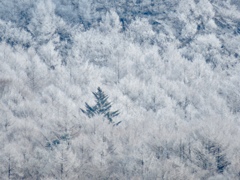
{"points": [[102, 106]]}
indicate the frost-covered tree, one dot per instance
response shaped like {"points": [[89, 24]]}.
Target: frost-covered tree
{"points": [[171, 67]]}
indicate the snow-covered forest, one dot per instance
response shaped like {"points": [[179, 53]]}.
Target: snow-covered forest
{"points": [[120, 89]]}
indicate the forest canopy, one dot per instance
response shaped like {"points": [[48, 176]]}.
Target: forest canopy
{"points": [[168, 106]]}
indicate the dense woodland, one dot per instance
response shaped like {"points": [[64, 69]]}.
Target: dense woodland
{"points": [[119, 89]]}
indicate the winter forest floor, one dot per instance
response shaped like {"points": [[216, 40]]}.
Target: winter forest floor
{"points": [[119, 90]]}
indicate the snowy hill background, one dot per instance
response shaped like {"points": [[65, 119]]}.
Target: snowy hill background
{"points": [[171, 68]]}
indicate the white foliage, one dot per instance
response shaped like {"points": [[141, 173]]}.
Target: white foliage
{"points": [[171, 68]]}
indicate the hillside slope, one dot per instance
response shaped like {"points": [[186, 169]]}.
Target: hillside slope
{"points": [[170, 67]]}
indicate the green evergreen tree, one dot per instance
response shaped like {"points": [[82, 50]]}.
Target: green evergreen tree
{"points": [[102, 106]]}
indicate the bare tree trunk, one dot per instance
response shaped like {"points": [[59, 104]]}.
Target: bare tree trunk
{"points": [[9, 167]]}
